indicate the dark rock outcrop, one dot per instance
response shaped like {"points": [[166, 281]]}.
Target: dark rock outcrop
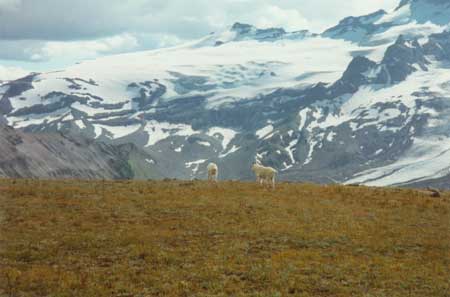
{"points": [[438, 45], [401, 59]]}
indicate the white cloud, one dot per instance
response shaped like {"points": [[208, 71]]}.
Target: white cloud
{"points": [[32, 50], [269, 16], [32, 30], [165, 40], [11, 73], [88, 49]]}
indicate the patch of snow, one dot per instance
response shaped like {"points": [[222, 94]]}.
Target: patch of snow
{"points": [[302, 114], [227, 135], [158, 131], [231, 151], [116, 131], [194, 165], [37, 119], [204, 143], [312, 145], [80, 124], [97, 131], [264, 132], [378, 152], [290, 149], [331, 136], [179, 149]]}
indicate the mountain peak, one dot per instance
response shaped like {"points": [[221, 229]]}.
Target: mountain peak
{"points": [[247, 32], [242, 27], [365, 19], [400, 40], [247, 29], [402, 3]]}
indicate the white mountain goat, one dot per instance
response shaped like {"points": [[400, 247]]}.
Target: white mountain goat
{"points": [[213, 172], [264, 174]]}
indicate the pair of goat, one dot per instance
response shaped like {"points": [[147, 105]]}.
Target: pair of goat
{"points": [[263, 174]]}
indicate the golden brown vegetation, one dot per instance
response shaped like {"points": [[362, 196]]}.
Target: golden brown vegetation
{"points": [[80, 238]]}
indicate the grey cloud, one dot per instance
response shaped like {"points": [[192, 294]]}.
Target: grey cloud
{"points": [[61, 20], [88, 19]]}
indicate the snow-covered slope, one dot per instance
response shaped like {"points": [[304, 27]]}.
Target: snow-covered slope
{"points": [[231, 72], [367, 107]]}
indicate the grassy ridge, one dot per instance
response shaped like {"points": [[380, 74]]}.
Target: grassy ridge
{"points": [[79, 238]]}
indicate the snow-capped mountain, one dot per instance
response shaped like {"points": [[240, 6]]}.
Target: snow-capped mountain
{"points": [[412, 18], [367, 101], [242, 32]]}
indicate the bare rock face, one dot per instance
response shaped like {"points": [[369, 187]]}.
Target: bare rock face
{"points": [[438, 46], [53, 155], [403, 58]]}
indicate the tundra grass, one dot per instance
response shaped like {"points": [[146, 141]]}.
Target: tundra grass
{"points": [[174, 238]]}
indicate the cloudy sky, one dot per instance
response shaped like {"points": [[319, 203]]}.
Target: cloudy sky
{"points": [[40, 35]]}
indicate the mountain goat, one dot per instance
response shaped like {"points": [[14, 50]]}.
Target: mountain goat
{"points": [[264, 174], [213, 172]]}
